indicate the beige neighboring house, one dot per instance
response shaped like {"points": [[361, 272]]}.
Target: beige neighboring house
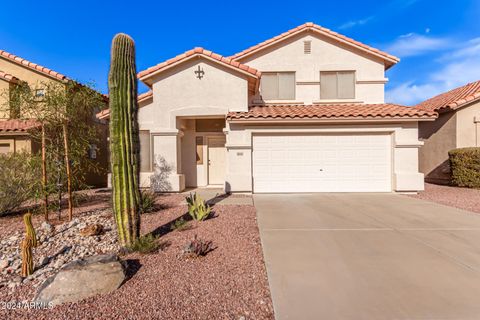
{"points": [[457, 126], [301, 112], [14, 133]]}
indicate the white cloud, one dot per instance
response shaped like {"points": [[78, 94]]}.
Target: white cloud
{"points": [[413, 44], [458, 67], [353, 23]]}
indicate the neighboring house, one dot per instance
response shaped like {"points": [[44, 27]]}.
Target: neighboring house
{"points": [[301, 112], [457, 126], [14, 133]]}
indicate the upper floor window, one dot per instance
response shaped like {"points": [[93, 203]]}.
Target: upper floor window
{"points": [[278, 86], [39, 93], [337, 85]]}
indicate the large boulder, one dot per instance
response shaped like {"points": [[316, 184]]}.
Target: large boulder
{"points": [[81, 279]]}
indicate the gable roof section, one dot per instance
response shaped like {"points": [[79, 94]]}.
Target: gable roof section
{"points": [[198, 52], [8, 77], [105, 114], [331, 112], [390, 60], [33, 66], [453, 99]]}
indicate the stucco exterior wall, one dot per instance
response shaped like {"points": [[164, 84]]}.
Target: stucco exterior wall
{"points": [[326, 55], [179, 95], [454, 129], [25, 74], [17, 143], [405, 144], [4, 93], [468, 126], [439, 137]]}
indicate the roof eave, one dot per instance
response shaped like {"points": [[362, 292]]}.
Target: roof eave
{"points": [[148, 76], [329, 120]]}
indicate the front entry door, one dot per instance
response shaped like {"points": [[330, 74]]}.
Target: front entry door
{"points": [[216, 160]]}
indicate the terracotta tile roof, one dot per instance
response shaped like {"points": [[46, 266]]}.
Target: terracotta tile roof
{"points": [[17, 125], [104, 114], [324, 31], [33, 66], [452, 99], [331, 112], [8, 77], [199, 52]]}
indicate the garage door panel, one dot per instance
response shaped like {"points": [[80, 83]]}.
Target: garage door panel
{"points": [[322, 163]]}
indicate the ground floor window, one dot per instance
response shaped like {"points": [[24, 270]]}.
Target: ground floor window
{"points": [[145, 151]]}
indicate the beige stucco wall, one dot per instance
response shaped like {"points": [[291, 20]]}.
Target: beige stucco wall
{"points": [[468, 126], [179, 95], [454, 129], [25, 74], [17, 143], [439, 137], [4, 94], [326, 55], [405, 144]]}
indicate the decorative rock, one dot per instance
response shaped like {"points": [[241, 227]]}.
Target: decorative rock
{"points": [[47, 227], [73, 223], [92, 230], [4, 263], [82, 279]]}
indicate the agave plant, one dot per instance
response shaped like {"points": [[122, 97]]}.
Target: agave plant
{"points": [[198, 209]]}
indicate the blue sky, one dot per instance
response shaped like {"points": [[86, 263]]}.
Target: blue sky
{"points": [[437, 41]]}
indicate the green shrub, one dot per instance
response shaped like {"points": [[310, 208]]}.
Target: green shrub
{"points": [[180, 225], [145, 244], [197, 208], [148, 201], [197, 248], [20, 180], [465, 166]]}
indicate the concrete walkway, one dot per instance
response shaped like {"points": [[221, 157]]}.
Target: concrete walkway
{"points": [[216, 196], [369, 256]]}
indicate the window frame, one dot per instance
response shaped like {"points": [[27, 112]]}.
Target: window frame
{"points": [[336, 72], [150, 162], [278, 85]]}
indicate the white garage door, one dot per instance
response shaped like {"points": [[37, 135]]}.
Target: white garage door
{"points": [[322, 163]]}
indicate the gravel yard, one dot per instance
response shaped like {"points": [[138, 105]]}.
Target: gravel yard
{"points": [[462, 198], [228, 283]]}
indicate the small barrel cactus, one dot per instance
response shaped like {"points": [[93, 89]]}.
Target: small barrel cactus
{"points": [[27, 257], [27, 219], [124, 144]]}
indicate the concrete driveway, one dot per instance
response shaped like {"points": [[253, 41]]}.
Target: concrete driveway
{"points": [[369, 256]]}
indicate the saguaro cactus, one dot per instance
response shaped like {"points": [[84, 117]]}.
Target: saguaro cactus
{"points": [[124, 145], [27, 219], [27, 257]]}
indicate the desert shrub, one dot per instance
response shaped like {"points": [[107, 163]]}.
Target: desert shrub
{"points": [[465, 166], [197, 248], [180, 225], [197, 208], [20, 180], [148, 199], [146, 244]]}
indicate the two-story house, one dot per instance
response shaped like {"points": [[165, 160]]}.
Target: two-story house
{"points": [[15, 134], [301, 112]]}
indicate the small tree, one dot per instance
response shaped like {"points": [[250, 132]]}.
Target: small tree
{"points": [[65, 113]]}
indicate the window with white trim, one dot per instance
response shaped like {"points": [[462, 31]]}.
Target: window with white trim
{"points": [[145, 151], [278, 86], [337, 85]]}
